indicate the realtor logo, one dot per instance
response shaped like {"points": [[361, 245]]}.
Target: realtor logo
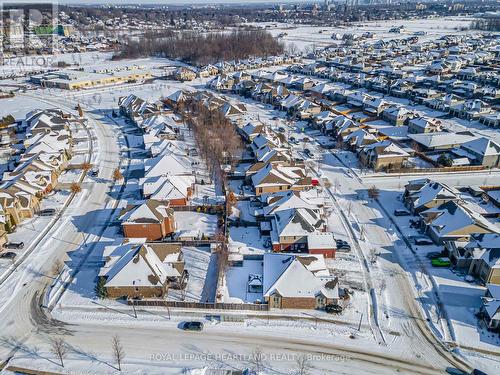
{"points": [[28, 28]]}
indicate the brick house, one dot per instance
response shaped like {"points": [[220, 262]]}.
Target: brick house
{"points": [[291, 228], [490, 308], [383, 155], [298, 282], [176, 190], [275, 178], [143, 270], [152, 220], [322, 243]]}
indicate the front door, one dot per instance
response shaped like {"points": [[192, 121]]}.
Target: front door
{"points": [[276, 301]]}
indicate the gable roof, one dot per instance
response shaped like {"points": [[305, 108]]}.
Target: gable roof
{"points": [[139, 266], [166, 164], [288, 276], [297, 221], [151, 211]]}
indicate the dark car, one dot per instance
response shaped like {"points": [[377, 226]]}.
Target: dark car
{"points": [[8, 255], [47, 212], [343, 245], [402, 213], [282, 129], [192, 326], [421, 240], [333, 309], [94, 172], [434, 255], [14, 245], [478, 372]]}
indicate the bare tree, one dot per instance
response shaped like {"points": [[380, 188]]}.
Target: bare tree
{"points": [[373, 192], [373, 255], [58, 267], [118, 352], [257, 359], [86, 166], [75, 188], [59, 348], [303, 365], [117, 174]]}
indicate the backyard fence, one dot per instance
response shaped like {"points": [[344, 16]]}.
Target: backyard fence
{"points": [[437, 170], [201, 305]]}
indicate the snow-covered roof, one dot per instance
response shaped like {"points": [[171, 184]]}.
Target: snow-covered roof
{"points": [[140, 266], [482, 146], [289, 276], [166, 164]]}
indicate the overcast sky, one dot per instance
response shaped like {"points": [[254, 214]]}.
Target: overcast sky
{"points": [[194, 2]]}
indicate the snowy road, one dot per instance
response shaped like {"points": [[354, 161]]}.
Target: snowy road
{"points": [[20, 293]]}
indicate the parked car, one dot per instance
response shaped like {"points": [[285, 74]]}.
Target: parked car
{"points": [[13, 245], [8, 255], [94, 172], [281, 129], [440, 262], [343, 245], [470, 278], [478, 372], [192, 326], [401, 212], [421, 240], [333, 309], [434, 255], [308, 152], [47, 212]]}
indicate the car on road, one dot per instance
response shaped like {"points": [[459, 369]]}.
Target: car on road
{"points": [[47, 212], [8, 255], [281, 129], [441, 262], [401, 212], [13, 245], [192, 326], [94, 172]]}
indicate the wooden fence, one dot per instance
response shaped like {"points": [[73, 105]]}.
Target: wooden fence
{"points": [[201, 305], [438, 170], [210, 209]]}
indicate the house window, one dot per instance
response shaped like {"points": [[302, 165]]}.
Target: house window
{"points": [[320, 302]]}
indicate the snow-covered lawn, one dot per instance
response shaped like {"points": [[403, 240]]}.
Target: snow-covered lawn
{"points": [[235, 286], [202, 268], [246, 240], [195, 224]]}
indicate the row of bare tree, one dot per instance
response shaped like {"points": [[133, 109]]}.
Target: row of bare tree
{"points": [[216, 138], [60, 349], [201, 49]]}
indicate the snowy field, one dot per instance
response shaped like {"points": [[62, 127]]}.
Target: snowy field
{"points": [[304, 36]]}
